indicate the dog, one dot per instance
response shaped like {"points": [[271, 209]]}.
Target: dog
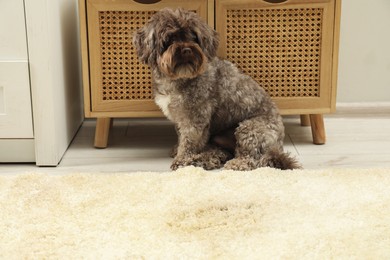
{"points": [[223, 117]]}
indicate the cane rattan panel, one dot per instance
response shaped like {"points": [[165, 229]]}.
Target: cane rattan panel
{"points": [[123, 77], [280, 48]]}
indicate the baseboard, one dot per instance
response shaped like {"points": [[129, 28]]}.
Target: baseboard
{"points": [[363, 108], [17, 150]]}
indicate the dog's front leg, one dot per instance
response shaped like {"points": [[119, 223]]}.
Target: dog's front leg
{"points": [[192, 141]]}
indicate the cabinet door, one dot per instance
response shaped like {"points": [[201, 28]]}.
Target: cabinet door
{"points": [[118, 81], [15, 98], [15, 101], [13, 42], [286, 46]]}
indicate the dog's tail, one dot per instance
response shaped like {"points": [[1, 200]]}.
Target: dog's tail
{"points": [[278, 159]]}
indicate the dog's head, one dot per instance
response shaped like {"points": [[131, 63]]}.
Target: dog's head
{"points": [[177, 43]]}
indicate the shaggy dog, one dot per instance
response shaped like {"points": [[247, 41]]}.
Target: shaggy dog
{"points": [[217, 110]]}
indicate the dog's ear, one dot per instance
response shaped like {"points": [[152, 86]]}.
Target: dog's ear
{"points": [[208, 39], [143, 41], [209, 42]]}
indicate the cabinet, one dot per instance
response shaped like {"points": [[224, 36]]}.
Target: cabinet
{"points": [[289, 46], [40, 80], [16, 126]]}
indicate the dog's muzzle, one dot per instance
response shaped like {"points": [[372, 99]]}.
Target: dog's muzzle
{"points": [[183, 60]]}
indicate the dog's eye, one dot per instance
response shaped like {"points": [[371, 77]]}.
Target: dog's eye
{"points": [[195, 38], [166, 45]]}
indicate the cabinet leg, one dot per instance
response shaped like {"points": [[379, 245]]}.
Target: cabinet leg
{"points": [[305, 120], [318, 129], [102, 131]]}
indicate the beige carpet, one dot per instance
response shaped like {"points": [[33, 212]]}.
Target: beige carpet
{"points": [[264, 214]]}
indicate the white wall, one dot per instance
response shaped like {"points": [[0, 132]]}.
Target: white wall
{"points": [[364, 61]]}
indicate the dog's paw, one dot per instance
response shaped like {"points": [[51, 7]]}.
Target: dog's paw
{"points": [[207, 161], [180, 162], [241, 164]]}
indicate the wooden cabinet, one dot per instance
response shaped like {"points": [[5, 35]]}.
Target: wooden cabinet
{"points": [[116, 84], [289, 46], [119, 82]]}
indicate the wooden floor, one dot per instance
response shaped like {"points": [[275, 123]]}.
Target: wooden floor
{"points": [[356, 139]]}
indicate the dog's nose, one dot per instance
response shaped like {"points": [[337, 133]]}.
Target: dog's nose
{"points": [[186, 51]]}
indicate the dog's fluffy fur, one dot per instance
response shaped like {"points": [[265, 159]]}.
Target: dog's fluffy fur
{"points": [[218, 111]]}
